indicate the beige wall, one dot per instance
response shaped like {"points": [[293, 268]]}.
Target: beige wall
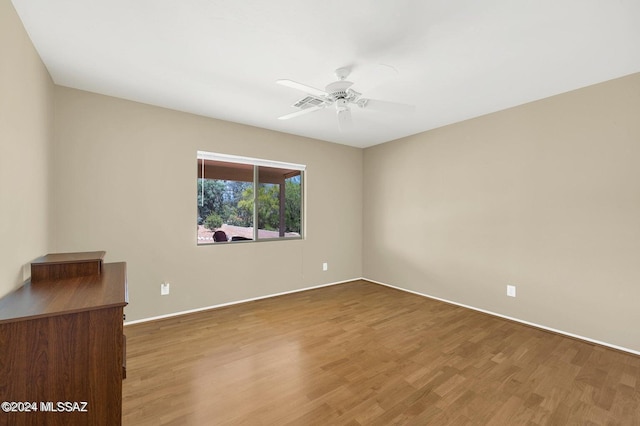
{"points": [[545, 196], [26, 117], [125, 182]]}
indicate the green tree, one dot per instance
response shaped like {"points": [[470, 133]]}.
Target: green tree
{"points": [[293, 203], [233, 212], [268, 204], [213, 221], [269, 207], [213, 198]]}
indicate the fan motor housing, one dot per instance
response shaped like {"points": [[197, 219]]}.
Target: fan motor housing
{"points": [[338, 89]]}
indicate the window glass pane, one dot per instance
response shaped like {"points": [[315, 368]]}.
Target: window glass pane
{"points": [[293, 206], [225, 202], [228, 209], [279, 203], [268, 210]]}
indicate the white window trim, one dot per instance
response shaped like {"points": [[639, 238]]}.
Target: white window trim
{"points": [[204, 155]]}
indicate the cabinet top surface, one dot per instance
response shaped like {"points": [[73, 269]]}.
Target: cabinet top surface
{"points": [[64, 296], [86, 256]]}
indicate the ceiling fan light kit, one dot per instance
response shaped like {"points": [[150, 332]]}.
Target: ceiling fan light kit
{"points": [[340, 95]]}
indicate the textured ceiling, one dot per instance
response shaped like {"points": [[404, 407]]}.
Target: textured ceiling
{"points": [[453, 60]]}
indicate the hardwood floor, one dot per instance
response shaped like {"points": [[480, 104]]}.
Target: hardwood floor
{"points": [[364, 354]]}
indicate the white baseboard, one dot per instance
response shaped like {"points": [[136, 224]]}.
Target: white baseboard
{"points": [[553, 330], [206, 308]]}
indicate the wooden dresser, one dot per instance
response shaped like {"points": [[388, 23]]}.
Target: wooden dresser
{"points": [[62, 347]]}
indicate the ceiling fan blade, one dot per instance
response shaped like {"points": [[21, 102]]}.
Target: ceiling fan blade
{"points": [[344, 120], [301, 112], [385, 106], [303, 87]]}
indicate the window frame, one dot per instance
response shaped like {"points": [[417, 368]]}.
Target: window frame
{"points": [[204, 156]]}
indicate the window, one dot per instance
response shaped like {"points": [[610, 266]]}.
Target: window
{"points": [[244, 199]]}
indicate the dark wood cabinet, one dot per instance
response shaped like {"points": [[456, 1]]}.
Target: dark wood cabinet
{"points": [[66, 265], [62, 343]]}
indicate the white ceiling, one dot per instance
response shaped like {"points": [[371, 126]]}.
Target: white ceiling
{"points": [[455, 59]]}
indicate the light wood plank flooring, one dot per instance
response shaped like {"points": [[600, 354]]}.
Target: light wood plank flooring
{"points": [[363, 354]]}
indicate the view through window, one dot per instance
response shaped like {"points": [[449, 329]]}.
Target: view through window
{"points": [[246, 199]]}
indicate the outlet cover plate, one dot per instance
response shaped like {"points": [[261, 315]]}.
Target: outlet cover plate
{"points": [[164, 289], [511, 290]]}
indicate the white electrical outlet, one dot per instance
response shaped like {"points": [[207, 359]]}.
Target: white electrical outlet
{"points": [[511, 290], [164, 289], [325, 266]]}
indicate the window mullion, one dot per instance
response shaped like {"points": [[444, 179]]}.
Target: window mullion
{"points": [[255, 203]]}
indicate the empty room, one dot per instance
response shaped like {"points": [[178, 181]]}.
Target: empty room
{"points": [[319, 213]]}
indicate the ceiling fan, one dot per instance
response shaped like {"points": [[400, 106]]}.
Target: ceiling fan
{"points": [[340, 95]]}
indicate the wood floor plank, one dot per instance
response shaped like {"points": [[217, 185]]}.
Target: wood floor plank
{"points": [[363, 354]]}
